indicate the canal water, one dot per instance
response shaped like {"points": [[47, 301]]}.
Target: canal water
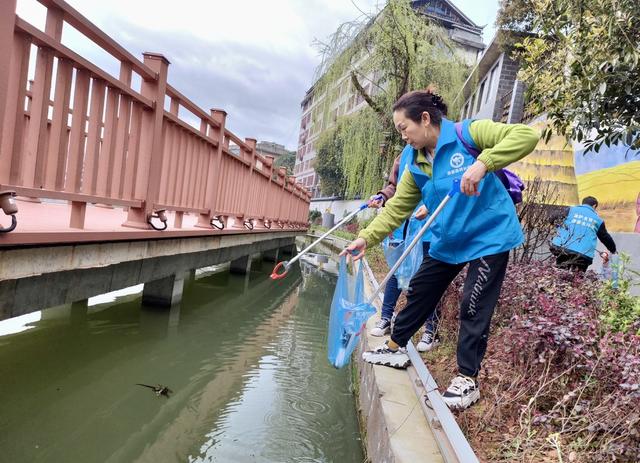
{"points": [[244, 358]]}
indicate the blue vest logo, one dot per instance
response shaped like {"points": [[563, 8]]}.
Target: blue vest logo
{"points": [[456, 160]]}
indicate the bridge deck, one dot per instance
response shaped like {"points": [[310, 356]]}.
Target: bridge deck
{"points": [[47, 223]]}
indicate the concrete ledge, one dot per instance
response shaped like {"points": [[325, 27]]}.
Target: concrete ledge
{"points": [[397, 429], [25, 262]]}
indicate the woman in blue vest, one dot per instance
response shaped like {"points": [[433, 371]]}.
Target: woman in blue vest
{"points": [[478, 227], [429, 339]]}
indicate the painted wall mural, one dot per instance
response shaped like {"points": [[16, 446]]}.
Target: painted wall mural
{"points": [[612, 176]]}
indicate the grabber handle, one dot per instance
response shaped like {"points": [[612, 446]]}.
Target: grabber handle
{"points": [[455, 189], [278, 276]]}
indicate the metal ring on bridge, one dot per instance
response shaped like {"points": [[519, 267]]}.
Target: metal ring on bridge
{"points": [[248, 224], [150, 222], [218, 219]]}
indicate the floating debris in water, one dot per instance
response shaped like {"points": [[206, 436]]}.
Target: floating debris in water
{"points": [[159, 389]]}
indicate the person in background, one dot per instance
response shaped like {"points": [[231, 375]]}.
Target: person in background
{"points": [[429, 339], [575, 242]]}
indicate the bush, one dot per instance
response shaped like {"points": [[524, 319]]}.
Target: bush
{"points": [[314, 216], [556, 375], [621, 310]]}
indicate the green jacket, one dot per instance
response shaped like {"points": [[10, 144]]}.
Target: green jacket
{"points": [[501, 145]]}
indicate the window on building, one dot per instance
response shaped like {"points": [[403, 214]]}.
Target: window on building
{"points": [[465, 111], [490, 84], [474, 98], [479, 104]]}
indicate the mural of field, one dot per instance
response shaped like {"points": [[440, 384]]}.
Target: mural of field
{"points": [[617, 190], [553, 162], [612, 176]]}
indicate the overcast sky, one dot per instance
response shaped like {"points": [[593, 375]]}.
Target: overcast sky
{"points": [[253, 58]]}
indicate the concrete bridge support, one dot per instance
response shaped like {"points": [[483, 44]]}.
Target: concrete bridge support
{"points": [[271, 255], [288, 250], [240, 266], [164, 292]]}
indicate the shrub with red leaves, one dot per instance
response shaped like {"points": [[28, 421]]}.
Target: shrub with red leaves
{"points": [[556, 370]]}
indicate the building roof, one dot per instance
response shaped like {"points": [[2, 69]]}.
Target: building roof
{"points": [[446, 12], [491, 54]]}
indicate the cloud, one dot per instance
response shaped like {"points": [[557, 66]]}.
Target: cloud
{"points": [[260, 87], [254, 59]]}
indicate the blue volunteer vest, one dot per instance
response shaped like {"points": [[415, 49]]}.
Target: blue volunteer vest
{"points": [[406, 159], [580, 231], [468, 227]]}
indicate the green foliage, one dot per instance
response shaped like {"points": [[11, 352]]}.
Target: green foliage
{"points": [[621, 310], [361, 161], [314, 215], [582, 66], [516, 15], [379, 60], [329, 162], [287, 160]]}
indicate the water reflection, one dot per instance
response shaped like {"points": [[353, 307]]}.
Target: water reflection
{"points": [[245, 358]]}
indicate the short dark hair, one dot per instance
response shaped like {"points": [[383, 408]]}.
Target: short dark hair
{"points": [[591, 201], [418, 101]]}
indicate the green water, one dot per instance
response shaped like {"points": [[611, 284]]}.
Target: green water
{"points": [[244, 357]]}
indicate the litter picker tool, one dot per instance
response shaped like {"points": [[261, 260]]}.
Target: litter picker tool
{"points": [[286, 265]]}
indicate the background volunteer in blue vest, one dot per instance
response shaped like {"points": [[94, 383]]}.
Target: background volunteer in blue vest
{"points": [[429, 339], [478, 227], [575, 244]]}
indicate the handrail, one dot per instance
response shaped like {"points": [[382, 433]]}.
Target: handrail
{"points": [[191, 106], [42, 39], [91, 31], [117, 146]]}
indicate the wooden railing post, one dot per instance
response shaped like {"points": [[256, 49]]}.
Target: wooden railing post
{"points": [[212, 192], [248, 181], [35, 157], [7, 20], [149, 169]]}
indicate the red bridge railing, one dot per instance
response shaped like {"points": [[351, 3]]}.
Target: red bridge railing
{"points": [[78, 134]]}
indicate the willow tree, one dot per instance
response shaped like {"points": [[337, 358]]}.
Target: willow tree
{"points": [[378, 59]]}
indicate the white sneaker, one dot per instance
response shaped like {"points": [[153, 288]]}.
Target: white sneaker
{"points": [[382, 327], [462, 392], [382, 355], [427, 342]]}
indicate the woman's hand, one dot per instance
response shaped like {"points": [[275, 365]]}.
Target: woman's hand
{"points": [[471, 178], [375, 201], [422, 212], [355, 249]]}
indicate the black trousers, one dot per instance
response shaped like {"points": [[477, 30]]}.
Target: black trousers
{"points": [[480, 296], [570, 260]]}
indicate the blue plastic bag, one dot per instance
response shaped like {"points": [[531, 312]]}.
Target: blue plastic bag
{"points": [[393, 249], [412, 262], [349, 313]]}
